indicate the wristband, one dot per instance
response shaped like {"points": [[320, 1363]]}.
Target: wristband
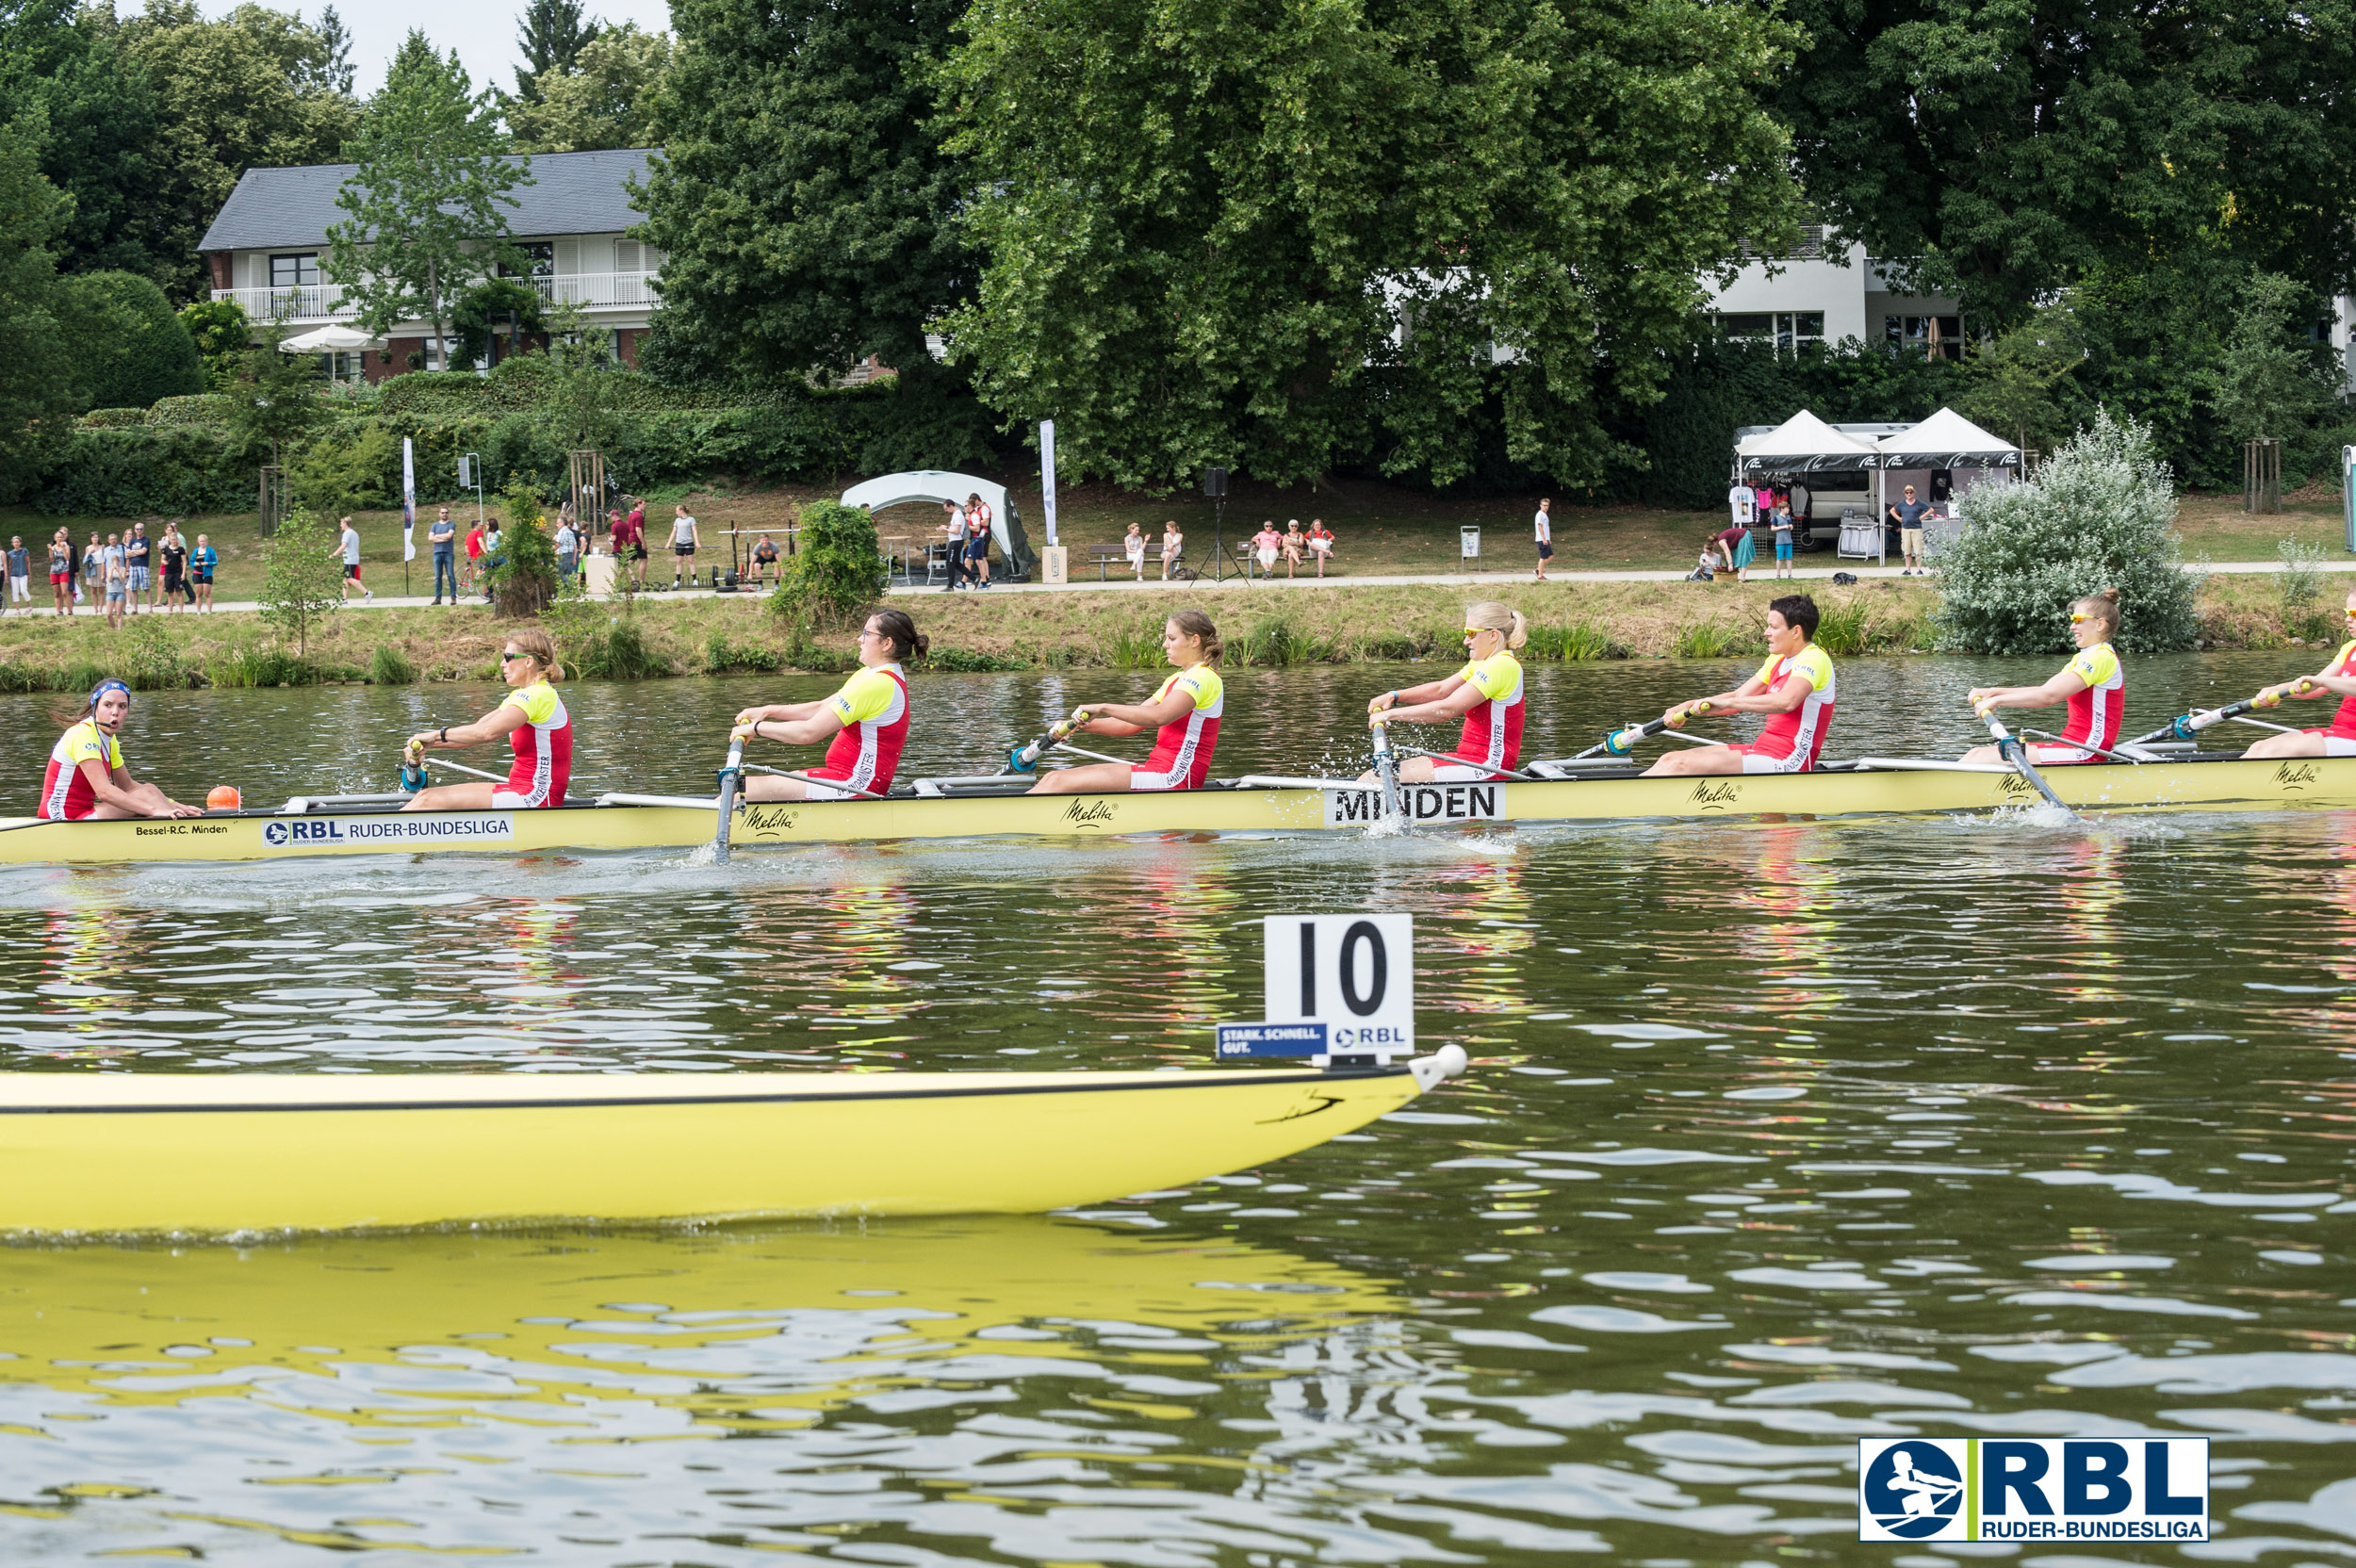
{"points": [[444, 737]]}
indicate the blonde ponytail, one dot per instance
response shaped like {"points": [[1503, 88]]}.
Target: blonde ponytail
{"points": [[1489, 615]]}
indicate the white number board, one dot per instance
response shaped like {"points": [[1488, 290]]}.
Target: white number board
{"points": [[1355, 973]]}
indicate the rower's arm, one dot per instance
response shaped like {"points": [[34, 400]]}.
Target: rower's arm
{"points": [[1449, 699], [2064, 686], [787, 711], [806, 729], [1743, 699], [1397, 703], [495, 724], [111, 785], [1128, 718]]}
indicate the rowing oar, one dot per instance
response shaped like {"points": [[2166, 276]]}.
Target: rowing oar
{"points": [[1385, 769], [2183, 727], [2012, 751], [1025, 759], [1623, 741], [1451, 756], [731, 780]]}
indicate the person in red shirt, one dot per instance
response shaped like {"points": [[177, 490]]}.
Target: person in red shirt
{"points": [[86, 778], [630, 544], [474, 559]]}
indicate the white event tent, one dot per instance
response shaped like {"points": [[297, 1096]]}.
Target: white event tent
{"points": [[1947, 440], [1802, 443]]}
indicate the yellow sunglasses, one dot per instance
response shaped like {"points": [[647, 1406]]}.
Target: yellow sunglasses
{"points": [[2076, 618], [1477, 630]]}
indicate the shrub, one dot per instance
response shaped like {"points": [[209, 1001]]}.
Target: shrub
{"points": [[251, 664], [1840, 627], [389, 666], [721, 654], [205, 408], [1709, 640], [340, 473], [220, 331], [1576, 644], [523, 577], [2298, 584], [2100, 513], [151, 659], [968, 661], [487, 306], [840, 571], [128, 346], [113, 419], [128, 472]]}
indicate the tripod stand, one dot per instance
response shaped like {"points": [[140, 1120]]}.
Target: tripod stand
{"points": [[1215, 486]]}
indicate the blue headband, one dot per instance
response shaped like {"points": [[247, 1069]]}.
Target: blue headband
{"points": [[105, 686]]}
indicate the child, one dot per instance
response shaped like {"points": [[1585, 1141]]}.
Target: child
{"points": [[1706, 569], [1781, 523]]}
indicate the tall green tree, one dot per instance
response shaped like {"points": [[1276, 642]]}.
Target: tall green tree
{"points": [[67, 82], [2006, 149], [334, 72], [2017, 379], [302, 576], [274, 402], [804, 202], [2268, 381], [35, 372], [247, 90], [128, 347], [551, 38], [1282, 233], [606, 100], [428, 202]]}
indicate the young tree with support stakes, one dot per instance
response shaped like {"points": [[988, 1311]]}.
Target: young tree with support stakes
{"points": [[302, 575], [427, 202]]}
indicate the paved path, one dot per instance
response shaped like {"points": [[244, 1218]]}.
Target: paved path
{"points": [[1238, 585]]}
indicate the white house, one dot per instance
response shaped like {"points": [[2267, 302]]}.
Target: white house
{"points": [[266, 246], [1822, 293]]}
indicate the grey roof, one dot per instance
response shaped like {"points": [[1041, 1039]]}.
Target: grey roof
{"points": [[570, 193]]}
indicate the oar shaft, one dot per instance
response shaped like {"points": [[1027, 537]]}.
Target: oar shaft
{"points": [[731, 779], [1386, 769]]}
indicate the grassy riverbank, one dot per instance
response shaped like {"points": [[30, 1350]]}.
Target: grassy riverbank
{"points": [[663, 637]]}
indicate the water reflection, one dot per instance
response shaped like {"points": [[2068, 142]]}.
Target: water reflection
{"points": [[1783, 1133]]}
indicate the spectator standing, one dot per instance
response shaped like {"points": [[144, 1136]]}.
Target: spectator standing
{"points": [[567, 543], [953, 525], [492, 545], [136, 551], [201, 560], [1780, 522], [351, 544], [978, 509], [629, 545], [1173, 549], [1908, 515], [92, 563], [1546, 535], [474, 557], [977, 548], [1296, 546], [682, 546], [1321, 542], [117, 581], [61, 571], [172, 556], [20, 576], [443, 535]]}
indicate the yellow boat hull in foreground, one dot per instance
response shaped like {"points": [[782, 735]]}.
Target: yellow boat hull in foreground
{"points": [[180, 1152], [2223, 783]]}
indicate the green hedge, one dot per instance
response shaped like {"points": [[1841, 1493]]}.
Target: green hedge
{"points": [[526, 382], [203, 408], [126, 473]]}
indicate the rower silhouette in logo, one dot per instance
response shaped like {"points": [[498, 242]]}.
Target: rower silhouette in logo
{"points": [[1913, 1490]]}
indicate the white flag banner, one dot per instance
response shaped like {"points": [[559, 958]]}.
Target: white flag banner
{"points": [[1047, 474], [408, 500]]}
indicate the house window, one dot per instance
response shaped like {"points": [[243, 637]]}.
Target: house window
{"points": [[539, 260], [301, 270], [1787, 328], [1936, 337]]}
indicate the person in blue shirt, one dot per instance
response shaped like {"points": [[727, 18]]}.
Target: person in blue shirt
{"points": [[201, 560], [443, 535]]}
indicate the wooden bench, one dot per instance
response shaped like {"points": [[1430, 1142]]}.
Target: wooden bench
{"points": [[1106, 555]]}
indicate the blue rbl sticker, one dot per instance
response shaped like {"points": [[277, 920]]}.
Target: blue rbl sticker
{"points": [[2076, 1489]]}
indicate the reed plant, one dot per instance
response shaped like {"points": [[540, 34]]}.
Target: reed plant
{"points": [[1840, 628], [1572, 643], [389, 666], [1707, 640], [1138, 647]]}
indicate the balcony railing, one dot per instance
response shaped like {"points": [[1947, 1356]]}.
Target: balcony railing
{"points": [[324, 301]]}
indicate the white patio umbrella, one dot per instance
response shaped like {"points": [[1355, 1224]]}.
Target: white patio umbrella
{"points": [[332, 338]]}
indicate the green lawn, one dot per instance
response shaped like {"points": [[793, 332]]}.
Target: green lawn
{"points": [[1378, 529]]}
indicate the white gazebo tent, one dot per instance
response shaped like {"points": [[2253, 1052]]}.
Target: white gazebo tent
{"points": [[936, 486], [1799, 443], [1945, 440]]}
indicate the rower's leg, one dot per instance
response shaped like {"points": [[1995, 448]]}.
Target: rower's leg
{"points": [[453, 798], [2297, 743], [761, 786], [1701, 761], [1096, 778]]}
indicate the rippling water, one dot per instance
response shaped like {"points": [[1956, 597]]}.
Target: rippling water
{"points": [[1781, 1135]]}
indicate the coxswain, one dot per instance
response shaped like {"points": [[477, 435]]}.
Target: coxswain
{"points": [[87, 780], [1486, 694], [1183, 712], [865, 723], [536, 724], [2091, 684], [1795, 688], [2336, 678]]}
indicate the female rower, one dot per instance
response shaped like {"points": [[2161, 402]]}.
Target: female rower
{"points": [[2336, 678], [536, 724], [1795, 688], [1486, 694], [87, 779], [867, 719], [2092, 684], [1185, 712]]}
